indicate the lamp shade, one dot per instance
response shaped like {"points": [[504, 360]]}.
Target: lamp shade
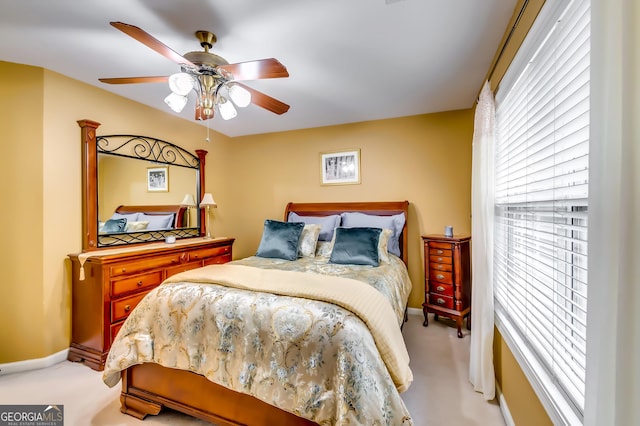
{"points": [[239, 95], [176, 102], [227, 110], [207, 200], [188, 200]]}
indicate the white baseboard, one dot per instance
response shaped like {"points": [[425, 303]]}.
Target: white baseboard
{"points": [[33, 364], [508, 420]]}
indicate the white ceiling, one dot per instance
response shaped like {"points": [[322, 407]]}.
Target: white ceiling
{"points": [[348, 60]]}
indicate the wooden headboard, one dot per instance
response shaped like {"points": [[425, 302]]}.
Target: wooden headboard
{"points": [[379, 208], [157, 210]]}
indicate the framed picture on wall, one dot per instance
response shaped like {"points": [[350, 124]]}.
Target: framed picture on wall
{"points": [[340, 168], [157, 179]]}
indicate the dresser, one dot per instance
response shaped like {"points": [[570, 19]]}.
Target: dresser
{"points": [[447, 276], [108, 284]]}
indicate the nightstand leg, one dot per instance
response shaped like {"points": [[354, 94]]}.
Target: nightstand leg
{"points": [[459, 323], [426, 317], [469, 321]]}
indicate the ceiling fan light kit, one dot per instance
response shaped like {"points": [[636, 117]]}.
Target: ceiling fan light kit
{"points": [[211, 77]]}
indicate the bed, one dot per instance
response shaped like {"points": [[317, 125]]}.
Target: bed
{"points": [[259, 350]]}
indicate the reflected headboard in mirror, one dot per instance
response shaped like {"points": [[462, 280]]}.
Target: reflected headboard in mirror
{"points": [[140, 182]]}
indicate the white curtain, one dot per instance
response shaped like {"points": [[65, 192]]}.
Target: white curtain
{"points": [[613, 321], [481, 373]]}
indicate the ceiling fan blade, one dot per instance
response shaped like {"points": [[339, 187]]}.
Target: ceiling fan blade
{"points": [[130, 80], [266, 101], [200, 115], [151, 42], [254, 70]]}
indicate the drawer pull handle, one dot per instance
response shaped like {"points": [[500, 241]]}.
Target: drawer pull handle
{"points": [[439, 266], [439, 259], [195, 256], [124, 269], [440, 252], [440, 288], [127, 308], [440, 276], [440, 301], [139, 283]]}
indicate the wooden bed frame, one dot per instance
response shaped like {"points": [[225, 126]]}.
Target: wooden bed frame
{"points": [[178, 211], [148, 387]]}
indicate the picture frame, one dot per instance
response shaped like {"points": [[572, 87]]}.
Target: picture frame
{"points": [[340, 168], [157, 179]]}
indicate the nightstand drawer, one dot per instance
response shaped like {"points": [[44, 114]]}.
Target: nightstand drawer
{"points": [[440, 252], [120, 309], [134, 283], [441, 259], [208, 252], [441, 267], [440, 300], [443, 289], [441, 276]]}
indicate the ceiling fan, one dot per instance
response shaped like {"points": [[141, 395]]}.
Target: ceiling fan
{"points": [[215, 81]]}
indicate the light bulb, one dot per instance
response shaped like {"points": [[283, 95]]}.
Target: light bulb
{"points": [[181, 83], [227, 111], [239, 95], [176, 102]]}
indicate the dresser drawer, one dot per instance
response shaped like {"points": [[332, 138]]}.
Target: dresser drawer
{"points": [[441, 276], [217, 260], [443, 289], [204, 253], [121, 308], [114, 330], [146, 264], [440, 300], [126, 285], [440, 252], [181, 268]]}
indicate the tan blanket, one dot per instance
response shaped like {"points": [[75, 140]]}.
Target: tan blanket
{"points": [[361, 299]]}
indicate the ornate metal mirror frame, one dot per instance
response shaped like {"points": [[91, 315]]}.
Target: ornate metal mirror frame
{"points": [[138, 147]]}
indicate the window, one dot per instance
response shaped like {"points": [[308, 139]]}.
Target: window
{"points": [[541, 206]]}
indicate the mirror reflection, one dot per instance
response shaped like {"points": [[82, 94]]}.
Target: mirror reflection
{"points": [[124, 183]]}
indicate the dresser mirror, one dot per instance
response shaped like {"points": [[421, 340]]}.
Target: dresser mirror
{"points": [[138, 189]]}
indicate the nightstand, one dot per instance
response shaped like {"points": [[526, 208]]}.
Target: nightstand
{"points": [[447, 276]]}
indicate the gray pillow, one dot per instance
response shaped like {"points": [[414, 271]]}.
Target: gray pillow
{"points": [[280, 239], [356, 246], [328, 223], [395, 223], [114, 225], [157, 221], [131, 217]]}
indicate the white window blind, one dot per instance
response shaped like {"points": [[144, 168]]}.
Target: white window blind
{"points": [[541, 200]]}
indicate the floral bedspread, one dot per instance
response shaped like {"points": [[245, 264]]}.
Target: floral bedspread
{"points": [[311, 358]]}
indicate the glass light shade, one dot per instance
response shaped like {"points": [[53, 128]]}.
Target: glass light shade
{"points": [[176, 102], [239, 95], [181, 83], [207, 200], [227, 110]]}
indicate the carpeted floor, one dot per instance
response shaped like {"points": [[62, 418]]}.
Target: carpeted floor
{"points": [[440, 394]]}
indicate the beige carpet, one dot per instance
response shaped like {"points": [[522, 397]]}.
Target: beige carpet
{"points": [[440, 394]]}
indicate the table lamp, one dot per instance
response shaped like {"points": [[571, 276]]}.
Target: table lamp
{"points": [[208, 202]]}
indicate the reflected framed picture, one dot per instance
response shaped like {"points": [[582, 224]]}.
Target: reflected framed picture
{"points": [[157, 179], [340, 168]]}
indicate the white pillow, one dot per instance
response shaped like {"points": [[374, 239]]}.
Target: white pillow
{"points": [[309, 240], [136, 226]]}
